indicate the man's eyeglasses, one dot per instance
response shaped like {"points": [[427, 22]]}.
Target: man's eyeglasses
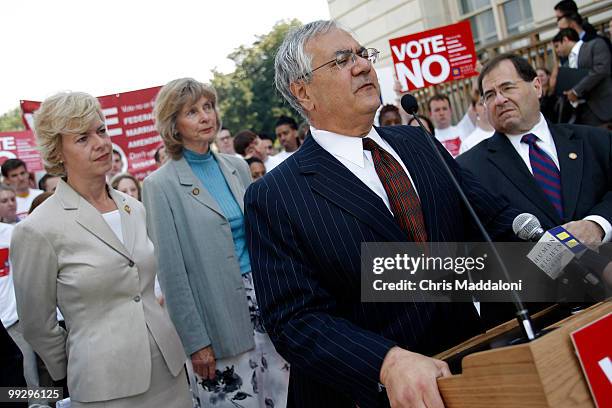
{"points": [[347, 58], [506, 90]]}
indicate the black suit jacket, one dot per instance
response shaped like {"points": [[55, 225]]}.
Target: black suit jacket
{"points": [[305, 222], [586, 181], [586, 184]]}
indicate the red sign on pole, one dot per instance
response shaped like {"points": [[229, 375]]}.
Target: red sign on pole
{"points": [[20, 145], [129, 120], [594, 348], [434, 56]]}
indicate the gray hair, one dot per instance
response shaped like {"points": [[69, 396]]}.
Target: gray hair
{"points": [[292, 63]]}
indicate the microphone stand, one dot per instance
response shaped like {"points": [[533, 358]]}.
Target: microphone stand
{"points": [[522, 314]]}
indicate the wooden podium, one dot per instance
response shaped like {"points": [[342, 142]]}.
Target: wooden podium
{"points": [[543, 373]]}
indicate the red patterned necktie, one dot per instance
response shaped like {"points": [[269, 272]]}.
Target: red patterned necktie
{"points": [[403, 198]]}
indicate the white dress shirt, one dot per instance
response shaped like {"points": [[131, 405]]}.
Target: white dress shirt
{"points": [[572, 62], [546, 143], [572, 58], [350, 152]]}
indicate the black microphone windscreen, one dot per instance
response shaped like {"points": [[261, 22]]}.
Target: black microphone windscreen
{"points": [[410, 104]]}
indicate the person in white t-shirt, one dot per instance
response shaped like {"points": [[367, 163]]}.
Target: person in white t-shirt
{"points": [[483, 129], [15, 174], [286, 130], [8, 205], [450, 136]]}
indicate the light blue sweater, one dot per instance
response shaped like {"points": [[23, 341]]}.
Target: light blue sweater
{"points": [[206, 168]]}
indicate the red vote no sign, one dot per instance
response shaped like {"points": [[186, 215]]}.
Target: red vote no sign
{"points": [[434, 56]]}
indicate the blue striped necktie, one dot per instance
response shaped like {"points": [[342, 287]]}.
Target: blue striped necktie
{"points": [[545, 172]]}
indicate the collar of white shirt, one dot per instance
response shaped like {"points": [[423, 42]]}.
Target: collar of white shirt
{"points": [[347, 147], [540, 130]]}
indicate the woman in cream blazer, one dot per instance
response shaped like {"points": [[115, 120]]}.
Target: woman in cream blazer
{"points": [[86, 251]]}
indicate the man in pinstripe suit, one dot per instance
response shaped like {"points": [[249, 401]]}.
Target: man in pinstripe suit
{"points": [[307, 218]]}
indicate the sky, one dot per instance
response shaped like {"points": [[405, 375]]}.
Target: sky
{"points": [[105, 47]]}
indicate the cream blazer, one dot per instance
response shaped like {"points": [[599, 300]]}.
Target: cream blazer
{"points": [[65, 254]]}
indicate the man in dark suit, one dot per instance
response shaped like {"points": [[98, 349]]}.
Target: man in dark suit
{"points": [[351, 183], [504, 164], [593, 94], [566, 12], [586, 32], [562, 173]]}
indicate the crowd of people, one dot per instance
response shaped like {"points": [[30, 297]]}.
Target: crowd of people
{"points": [[584, 98], [230, 277], [228, 341]]}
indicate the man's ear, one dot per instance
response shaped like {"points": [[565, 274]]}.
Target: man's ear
{"points": [[300, 92], [537, 84]]}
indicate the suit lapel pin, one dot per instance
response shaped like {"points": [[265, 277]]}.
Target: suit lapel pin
{"points": [[196, 191], [127, 209], [573, 156]]}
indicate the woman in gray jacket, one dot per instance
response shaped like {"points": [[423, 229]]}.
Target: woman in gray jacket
{"points": [[195, 213]]}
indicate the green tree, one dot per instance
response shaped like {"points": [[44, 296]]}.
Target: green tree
{"points": [[248, 98], [11, 121]]}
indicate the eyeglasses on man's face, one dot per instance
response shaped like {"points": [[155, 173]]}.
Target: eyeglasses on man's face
{"points": [[507, 89], [347, 58]]}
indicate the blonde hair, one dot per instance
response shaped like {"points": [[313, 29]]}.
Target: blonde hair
{"points": [[64, 112], [171, 99]]}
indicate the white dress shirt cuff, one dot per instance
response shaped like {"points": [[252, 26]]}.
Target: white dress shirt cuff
{"points": [[604, 224]]}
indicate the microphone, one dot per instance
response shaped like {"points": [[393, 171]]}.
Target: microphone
{"points": [[411, 106], [527, 227]]}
